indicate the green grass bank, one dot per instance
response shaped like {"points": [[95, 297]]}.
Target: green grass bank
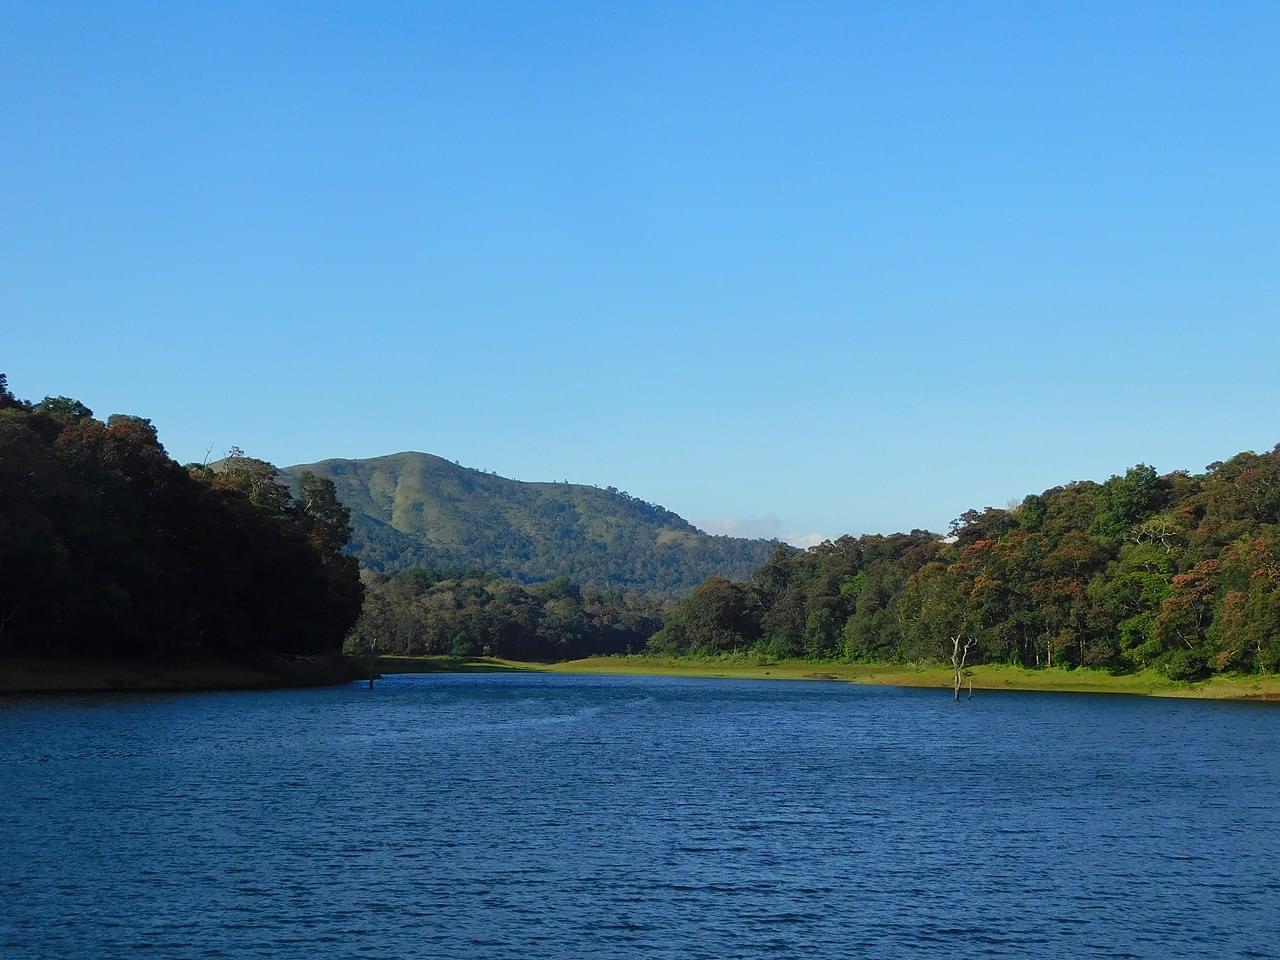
{"points": [[1146, 683], [19, 675]]}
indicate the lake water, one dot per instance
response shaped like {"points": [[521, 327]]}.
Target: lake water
{"points": [[527, 816]]}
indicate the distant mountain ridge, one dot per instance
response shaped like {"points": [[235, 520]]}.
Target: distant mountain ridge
{"points": [[415, 509]]}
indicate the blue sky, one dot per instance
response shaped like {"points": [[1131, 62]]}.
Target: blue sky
{"points": [[787, 269]]}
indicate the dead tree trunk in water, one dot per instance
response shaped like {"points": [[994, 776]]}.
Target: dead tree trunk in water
{"points": [[958, 656]]}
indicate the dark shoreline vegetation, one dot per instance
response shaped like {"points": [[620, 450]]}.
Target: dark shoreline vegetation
{"points": [[113, 550], [174, 674]]}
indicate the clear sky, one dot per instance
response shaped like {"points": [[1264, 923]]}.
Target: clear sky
{"points": [[785, 268]]}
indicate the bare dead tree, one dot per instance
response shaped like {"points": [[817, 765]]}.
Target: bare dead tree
{"points": [[959, 654], [1161, 531]]}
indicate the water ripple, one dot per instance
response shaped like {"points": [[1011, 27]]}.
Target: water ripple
{"points": [[524, 816]]}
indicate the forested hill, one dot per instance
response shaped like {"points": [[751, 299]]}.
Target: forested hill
{"points": [[1180, 573], [418, 510]]}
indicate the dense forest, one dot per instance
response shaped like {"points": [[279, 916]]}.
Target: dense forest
{"points": [[1178, 572], [416, 510], [423, 612], [109, 547]]}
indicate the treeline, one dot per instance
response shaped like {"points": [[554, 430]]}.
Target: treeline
{"points": [[424, 612], [669, 565], [110, 547], [1178, 572]]}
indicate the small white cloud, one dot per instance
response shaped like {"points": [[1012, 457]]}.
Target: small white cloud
{"points": [[767, 527]]}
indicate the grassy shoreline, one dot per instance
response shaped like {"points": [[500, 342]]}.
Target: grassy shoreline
{"points": [[1146, 683], [36, 675]]}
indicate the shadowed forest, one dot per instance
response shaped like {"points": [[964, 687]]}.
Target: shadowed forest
{"points": [[109, 547]]}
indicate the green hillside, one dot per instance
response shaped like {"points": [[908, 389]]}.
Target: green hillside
{"points": [[415, 509]]}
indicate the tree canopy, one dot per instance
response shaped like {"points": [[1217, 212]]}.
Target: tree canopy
{"points": [[108, 546], [472, 614], [1178, 572]]}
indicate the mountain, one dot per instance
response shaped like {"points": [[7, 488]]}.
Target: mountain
{"points": [[415, 509]]}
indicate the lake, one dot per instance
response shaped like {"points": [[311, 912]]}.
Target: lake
{"points": [[549, 816]]}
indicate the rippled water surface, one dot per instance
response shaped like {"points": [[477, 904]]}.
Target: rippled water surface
{"points": [[526, 816]]}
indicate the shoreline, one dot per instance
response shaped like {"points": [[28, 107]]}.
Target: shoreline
{"points": [[46, 675], [21, 676], [986, 677]]}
